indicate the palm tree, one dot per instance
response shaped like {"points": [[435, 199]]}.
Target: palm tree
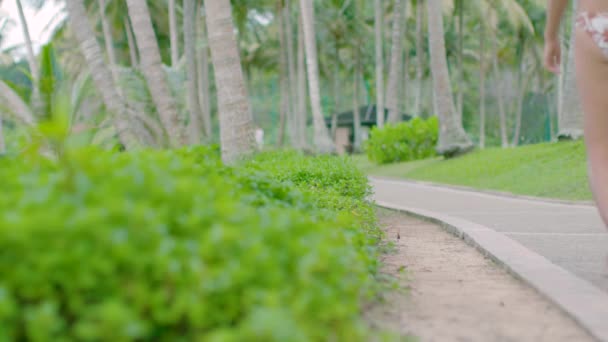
{"points": [[379, 23], [460, 77], [482, 85], [570, 115], [173, 33], [151, 66], [131, 42], [18, 108], [107, 35], [302, 112], [204, 95], [236, 119], [452, 138], [284, 107], [102, 76], [31, 58], [191, 71], [392, 99], [502, 114], [419, 55], [322, 141], [294, 130]]}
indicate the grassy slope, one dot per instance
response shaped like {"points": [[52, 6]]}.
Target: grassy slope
{"points": [[548, 170]]}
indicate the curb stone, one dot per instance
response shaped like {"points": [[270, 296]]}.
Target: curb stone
{"points": [[582, 301]]}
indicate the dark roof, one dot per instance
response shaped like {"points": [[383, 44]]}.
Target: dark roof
{"points": [[367, 115]]}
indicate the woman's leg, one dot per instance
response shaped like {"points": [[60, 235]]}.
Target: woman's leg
{"points": [[592, 79]]}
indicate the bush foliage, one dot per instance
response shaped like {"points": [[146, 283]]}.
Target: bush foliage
{"points": [[405, 141], [174, 246]]}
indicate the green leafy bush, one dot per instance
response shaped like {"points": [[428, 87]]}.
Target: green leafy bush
{"points": [[174, 246], [404, 141]]}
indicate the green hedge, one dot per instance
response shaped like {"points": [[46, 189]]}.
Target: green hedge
{"points": [[173, 246], [405, 141]]}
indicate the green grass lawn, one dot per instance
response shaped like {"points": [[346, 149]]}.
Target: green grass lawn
{"points": [[556, 170]]}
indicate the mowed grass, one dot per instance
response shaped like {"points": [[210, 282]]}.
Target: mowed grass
{"points": [[553, 170]]}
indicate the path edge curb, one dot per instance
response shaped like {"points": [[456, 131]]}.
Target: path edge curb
{"points": [[579, 299]]}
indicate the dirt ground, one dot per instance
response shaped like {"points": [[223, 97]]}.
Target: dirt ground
{"points": [[454, 293]]}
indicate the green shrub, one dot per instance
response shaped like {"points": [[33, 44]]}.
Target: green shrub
{"points": [[404, 141], [173, 246]]}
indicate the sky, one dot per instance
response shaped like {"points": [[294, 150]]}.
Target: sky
{"points": [[37, 21]]}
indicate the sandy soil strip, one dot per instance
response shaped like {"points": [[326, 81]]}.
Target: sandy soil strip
{"points": [[456, 294]]}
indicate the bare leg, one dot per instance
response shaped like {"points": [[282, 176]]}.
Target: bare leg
{"points": [[592, 79]]}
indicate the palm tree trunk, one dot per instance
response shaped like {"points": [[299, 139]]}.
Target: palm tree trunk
{"points": [[31, 59], [523, 87], [452, 138], [302, 112], [291, 76], [323, 142], [236, 120], [356, 111], [20, 110], [419, 56], [131, 42], [499, 96], [406, 80], [403, 103], [102, 76], [461, 84], [336, 95], [379, 23], [194, 126], [284, 106], [570, 119], [482, 87], [151, 66], [523, 79], [107, 37], [392, 97], [173, 40], [204, 94]]}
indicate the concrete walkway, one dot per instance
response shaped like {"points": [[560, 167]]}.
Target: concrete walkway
{"points": [[570, 236]]}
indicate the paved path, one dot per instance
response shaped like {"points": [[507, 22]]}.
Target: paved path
{"points": [[570, 236]]}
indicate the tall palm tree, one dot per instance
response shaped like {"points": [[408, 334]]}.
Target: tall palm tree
{"points": [[419, 55], [294, 130], [131, 42], [482, 85], [107, 37], [18, 108], [101, 74], [204, 95], [194, 126], [322, 140], [570, 116], [502, 114], [379, 23], [31, 58], [284, 107], [460, 90], [453, 139], [173, 33], [151, 66], [302, 95], [236, 120], [392, 97]]}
